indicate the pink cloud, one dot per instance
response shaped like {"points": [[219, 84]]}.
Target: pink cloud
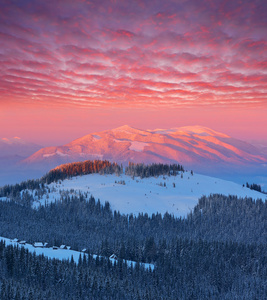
{"points": [[176, 54]]}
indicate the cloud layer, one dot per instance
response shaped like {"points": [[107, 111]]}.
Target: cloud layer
{"points": [[134, 53]]}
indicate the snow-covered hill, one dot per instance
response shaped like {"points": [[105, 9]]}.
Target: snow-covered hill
{"points": [[174, 194], [191, 146]]}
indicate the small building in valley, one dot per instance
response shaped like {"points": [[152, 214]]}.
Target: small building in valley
{"points": [[113, 256], [38, 245]]}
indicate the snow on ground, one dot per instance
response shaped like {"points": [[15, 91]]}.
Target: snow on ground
{"points": [[49, 155], [135, 145], [96, 137], [56, 153], [64, 254], [49, 252], [149, 195], [138, 146], [94, 155]]}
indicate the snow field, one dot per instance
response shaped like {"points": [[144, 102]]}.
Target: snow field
{"points": [[172, 194]]}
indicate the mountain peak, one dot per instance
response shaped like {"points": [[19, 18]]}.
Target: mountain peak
{"points": [[124, 127], [128, 129], [12, 140]]}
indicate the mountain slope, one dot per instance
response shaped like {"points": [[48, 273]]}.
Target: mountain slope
{"points": [[190, 146]]}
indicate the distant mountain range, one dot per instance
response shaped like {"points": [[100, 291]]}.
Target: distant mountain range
{"points": [[17, 146], [191, 146], [15, 149]]}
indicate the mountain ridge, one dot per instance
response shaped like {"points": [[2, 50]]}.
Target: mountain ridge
{"points": [[189, 145]]}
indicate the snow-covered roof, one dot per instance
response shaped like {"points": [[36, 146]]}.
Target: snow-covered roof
{"points": [[38, 244]]}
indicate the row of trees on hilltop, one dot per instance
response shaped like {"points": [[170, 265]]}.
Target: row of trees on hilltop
{"points": [[255, 187], [142, 170], [82, 168], [88, 167], [62, 172]]}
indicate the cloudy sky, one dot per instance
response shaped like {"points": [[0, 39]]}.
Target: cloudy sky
{"points": [[69, 68]]}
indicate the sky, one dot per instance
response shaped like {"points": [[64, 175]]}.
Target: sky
{"points": [[70, 68]]}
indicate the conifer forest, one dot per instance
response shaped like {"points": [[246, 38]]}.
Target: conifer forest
{"points": [[219, 251]]}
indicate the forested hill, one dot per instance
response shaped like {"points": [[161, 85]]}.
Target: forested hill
{"points": [[60, 173], [81, 168], [88, 167], [218, 252]]}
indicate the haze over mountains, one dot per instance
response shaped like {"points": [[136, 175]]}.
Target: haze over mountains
{"points": [[15, 149], [17, 146]]}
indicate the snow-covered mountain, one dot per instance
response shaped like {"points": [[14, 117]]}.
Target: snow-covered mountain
{"points": [[191, 146]]}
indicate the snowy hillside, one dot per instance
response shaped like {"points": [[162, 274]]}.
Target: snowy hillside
{"points": [[174, 194], [65, 254]]}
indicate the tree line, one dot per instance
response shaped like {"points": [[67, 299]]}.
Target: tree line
{"points": [[187, 269], [142, 170], [81, 223], [255, 187], [62, 172], [88, 167]]}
